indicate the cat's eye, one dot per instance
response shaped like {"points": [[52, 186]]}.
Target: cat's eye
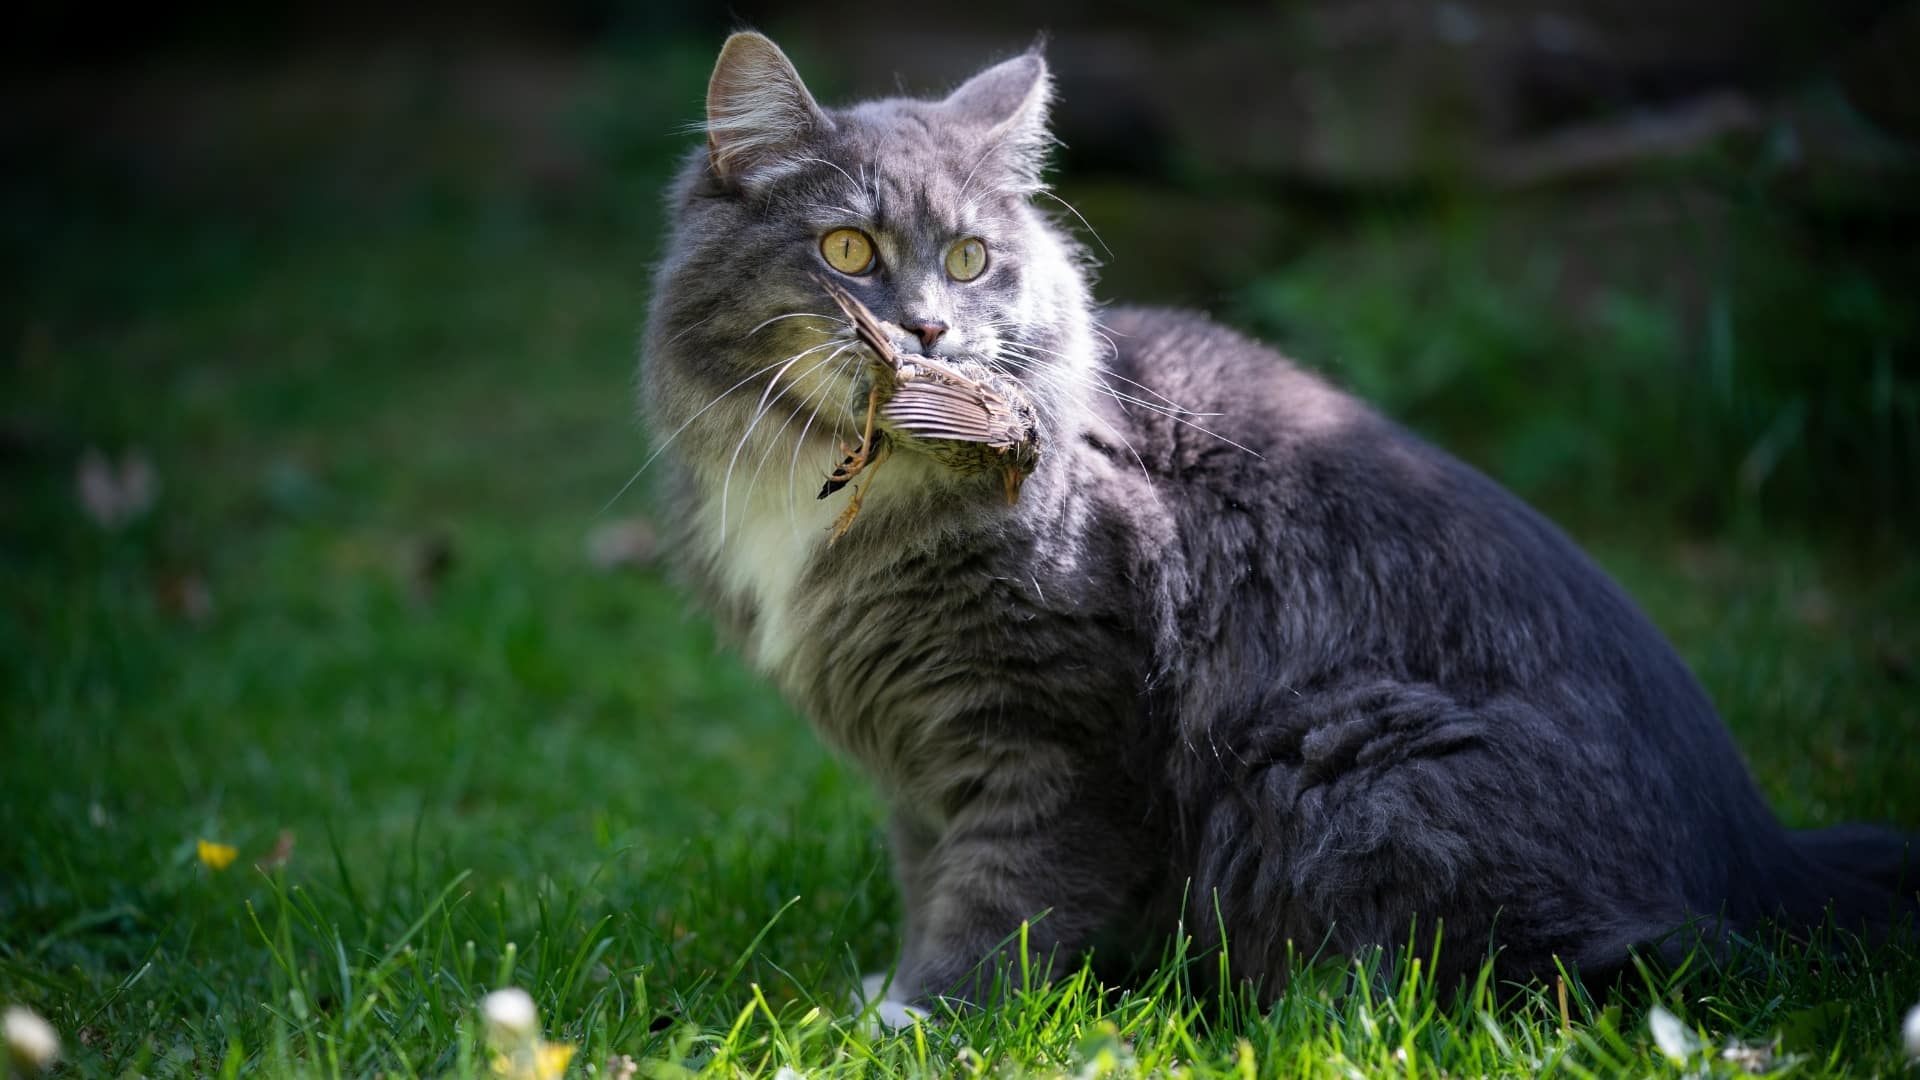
{"points": [[848, 251], [966, 259]]}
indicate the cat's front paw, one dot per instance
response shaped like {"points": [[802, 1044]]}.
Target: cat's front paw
{"points": [[881, 1014]]}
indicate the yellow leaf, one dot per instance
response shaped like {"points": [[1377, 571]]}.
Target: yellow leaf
{"points": [[217, 856]]}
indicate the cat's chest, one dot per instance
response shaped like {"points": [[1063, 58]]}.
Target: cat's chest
{"points": [[767, 550], [761, 552]]}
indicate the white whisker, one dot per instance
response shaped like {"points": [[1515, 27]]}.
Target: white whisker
{"points": [[1083, 220], [760, 411], [793, 315], [773, 441], [677, 432], [1097, 380], [835, 168], [800, 442], [690, 329]]}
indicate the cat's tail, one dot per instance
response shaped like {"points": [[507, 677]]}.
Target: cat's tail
{"points": [[1868, 877]]}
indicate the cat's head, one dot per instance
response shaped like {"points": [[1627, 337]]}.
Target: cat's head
{"points": [[922, 209]]}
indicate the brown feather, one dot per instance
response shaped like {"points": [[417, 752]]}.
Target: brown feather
{"points": [[932, 410], [865, 326]]}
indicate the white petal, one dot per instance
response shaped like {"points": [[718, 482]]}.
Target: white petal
{"points": [[30, 1040], [510, 1014], [1675, 1039]]}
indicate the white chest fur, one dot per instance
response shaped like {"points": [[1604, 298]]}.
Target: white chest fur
{"points": [[761, 548], [774, 530]]}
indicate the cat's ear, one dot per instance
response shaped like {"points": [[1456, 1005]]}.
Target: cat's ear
{"points": [[1008, 102], [758, 110]]}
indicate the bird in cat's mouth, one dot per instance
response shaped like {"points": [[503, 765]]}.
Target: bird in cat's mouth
{"points": [[961, 414]]}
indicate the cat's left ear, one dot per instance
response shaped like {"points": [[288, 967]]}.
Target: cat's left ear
{"points": [[1008, 104]]}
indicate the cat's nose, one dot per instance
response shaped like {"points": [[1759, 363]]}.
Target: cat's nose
{"points": [[927, 330]]}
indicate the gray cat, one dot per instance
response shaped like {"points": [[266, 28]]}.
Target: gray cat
{"points": [[1243, 653]]}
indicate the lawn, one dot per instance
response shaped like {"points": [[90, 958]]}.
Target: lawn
{"points": [[358, 636]]}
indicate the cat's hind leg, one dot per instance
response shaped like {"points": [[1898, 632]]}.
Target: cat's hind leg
{"points": [[1382, 813]]}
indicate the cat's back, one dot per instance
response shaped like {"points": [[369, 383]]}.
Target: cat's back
{"points": [[1390, 600], [1339, 538]]}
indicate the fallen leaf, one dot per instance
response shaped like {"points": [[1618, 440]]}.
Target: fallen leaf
{"points": [[1675, 1039], [186, 595], [628, 543], [281, 854], [114, 495]]}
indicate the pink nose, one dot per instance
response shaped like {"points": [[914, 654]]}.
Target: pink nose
{"points": [[927, 330]]}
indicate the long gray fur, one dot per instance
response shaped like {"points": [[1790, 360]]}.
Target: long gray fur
{"points": [[1243, 649]]}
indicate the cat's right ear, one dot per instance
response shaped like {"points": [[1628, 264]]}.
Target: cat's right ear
{"points": [[758, 110]]}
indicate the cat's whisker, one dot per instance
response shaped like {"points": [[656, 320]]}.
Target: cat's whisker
{"points": [[1125, 400], [760, 411], [1098, 384], [1106, 372], [968, 182], [806, 395], [846, 210], [695, 326], [1083, 221], [1107, 337], [773, 441], [1054, 377], [795, 315], [1097, 381], [793, 465], [677, 432], [992, 152], [823, 161]]}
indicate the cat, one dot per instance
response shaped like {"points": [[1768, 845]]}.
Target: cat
{"points": [[1243, 658]]}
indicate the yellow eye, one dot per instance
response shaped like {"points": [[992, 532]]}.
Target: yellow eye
{"points": [[847, 250], [966, 259]]}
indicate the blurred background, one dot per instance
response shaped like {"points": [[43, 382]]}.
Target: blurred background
{"points": [[317, 341], [1641, 258]]}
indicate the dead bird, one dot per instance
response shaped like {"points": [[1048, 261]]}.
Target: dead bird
{"points": [[963, 414]]}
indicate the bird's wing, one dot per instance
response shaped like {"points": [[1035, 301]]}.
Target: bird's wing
{"points": [[932, 410]]}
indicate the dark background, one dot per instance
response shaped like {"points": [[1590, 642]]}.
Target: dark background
{"points": [[1618, 252]]}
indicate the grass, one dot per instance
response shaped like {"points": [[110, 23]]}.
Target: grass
{"points": [[381, 448]]}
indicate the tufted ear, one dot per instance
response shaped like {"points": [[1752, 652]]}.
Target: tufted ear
{"points": [[1009, 103], [757, 107]]}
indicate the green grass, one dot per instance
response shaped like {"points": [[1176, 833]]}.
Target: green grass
{"points": [[524, 770]]}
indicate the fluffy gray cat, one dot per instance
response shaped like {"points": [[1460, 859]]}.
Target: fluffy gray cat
{"points": [[1242, 652]]}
